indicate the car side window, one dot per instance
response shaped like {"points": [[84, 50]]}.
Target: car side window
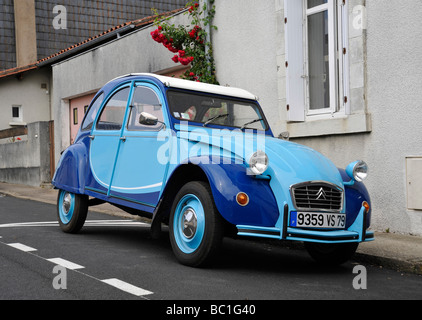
{"points": [[92, 113], [144, 100], [113, 113]]}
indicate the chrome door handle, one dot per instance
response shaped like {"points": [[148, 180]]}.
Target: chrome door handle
{"points": [[123, 139]]}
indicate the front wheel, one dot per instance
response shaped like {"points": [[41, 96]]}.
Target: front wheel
{"points": [[331, 253], [72, 210], [196, 227]]}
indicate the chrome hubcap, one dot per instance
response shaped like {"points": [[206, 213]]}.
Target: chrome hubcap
{"points": [[67, 199], [189, 223]]}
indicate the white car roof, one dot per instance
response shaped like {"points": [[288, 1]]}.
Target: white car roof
{"points": [[197, 86]]}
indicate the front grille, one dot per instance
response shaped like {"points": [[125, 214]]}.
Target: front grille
{"points": [[317, 196]]}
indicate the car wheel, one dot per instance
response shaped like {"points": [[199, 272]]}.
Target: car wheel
{"points": [[72, 210], [196, 227], [331, 253]]}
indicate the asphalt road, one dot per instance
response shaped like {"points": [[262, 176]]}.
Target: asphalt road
{"points": [[117, 259]]}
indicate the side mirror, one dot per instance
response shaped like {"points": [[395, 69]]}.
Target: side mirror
{"points": [[147, 119], [284, 136]]}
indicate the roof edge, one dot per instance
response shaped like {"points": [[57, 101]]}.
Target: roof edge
{"points": [[87, 43], [172, 82]]}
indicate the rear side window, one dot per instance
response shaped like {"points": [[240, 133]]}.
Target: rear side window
{"points": [[92, 112]]}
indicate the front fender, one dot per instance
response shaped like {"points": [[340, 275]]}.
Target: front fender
{"points": [[227, 180], [71, 169], [356, 194]]}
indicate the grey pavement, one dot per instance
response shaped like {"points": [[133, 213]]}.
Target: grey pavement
{"points": [[395, 251]]}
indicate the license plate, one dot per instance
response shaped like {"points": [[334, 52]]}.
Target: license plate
{"points": [[321, 220]]}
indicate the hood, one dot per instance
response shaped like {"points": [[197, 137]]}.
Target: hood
{"points": [[294, 163], [289, 162]]}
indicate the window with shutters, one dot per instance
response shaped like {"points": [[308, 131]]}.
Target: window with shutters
{"points": [[316, 37]]}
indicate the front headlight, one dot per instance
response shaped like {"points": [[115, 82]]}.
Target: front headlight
{"points": [[258, 163], [358, 170]]}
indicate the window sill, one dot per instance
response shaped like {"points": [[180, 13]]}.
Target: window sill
{"points": [[355, 123], [17, 124]]}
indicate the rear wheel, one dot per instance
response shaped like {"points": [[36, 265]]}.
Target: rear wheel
{"points": [[72, 210], [331, 253], [196, 227]]}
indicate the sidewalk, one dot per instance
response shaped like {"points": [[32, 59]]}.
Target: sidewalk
{"points": [[394, 251]]}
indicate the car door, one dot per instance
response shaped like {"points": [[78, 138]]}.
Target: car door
{"points": [[106, 137], [139, 173]]}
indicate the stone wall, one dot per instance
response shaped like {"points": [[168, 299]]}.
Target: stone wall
{"points": [[27, 161]]}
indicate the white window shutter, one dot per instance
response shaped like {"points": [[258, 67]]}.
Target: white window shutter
{"points": [[295, 79]]}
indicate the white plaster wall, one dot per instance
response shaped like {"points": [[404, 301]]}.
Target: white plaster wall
{"points": [[26, 92], [394, 51], [245, 51]]}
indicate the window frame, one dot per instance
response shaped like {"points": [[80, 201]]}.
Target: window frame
{"points": [[105, 106], [139, 127], [335, 56], [297, 60], [332, 72], [253, 104], [20, 115], [75, 116], [97, 102]]}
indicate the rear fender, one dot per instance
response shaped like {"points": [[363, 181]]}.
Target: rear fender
{"points": [[71, 169]]}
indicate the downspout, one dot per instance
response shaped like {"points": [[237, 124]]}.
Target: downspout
{"points": [[208, 32]]}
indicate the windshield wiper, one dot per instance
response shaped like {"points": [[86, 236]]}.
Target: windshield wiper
{"points": [[215, 118], [250, 122]]}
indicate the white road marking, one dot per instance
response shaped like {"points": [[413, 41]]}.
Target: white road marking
{"points": [[89, 223], [64, 263], [114, 223], [21, 247], [28, 224], [119, 284], [127, 287]]}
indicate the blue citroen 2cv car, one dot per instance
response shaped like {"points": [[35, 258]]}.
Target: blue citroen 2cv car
{"points": [[203, 159]]}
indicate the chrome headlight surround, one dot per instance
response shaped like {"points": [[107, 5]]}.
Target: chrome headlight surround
{"points": [[258, 163], [357, 170]]}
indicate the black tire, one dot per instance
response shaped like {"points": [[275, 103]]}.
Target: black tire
{"points": [[72, 210], [196, 227], [331, 253]]}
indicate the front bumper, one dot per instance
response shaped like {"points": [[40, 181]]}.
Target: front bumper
{"points": [[357, 232]]}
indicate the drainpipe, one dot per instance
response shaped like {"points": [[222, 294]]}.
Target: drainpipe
{"points": [[208, 31]]}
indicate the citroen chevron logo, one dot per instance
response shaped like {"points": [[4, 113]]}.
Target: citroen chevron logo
{"points": [[321, 194]]}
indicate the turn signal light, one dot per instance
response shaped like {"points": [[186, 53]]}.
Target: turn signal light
{"points": [[366, 205], [242, 199]]}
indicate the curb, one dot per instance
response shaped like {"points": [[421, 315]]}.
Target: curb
{"points": [[389, 263]]}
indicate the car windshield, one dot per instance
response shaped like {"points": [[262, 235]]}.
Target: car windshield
{"points": [[212, 110]]}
